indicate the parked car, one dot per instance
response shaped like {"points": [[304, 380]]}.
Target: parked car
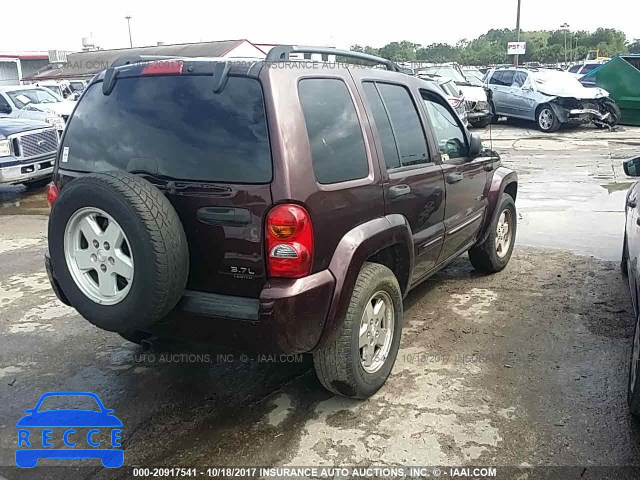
{"points": [[581, 69], [475, 95], [35, 103], [27, 151], [452, 93], [630, 266], [173, 214], [61, 89], [550, 98]]}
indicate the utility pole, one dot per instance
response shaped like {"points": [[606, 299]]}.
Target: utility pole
{"points": [[128, 18], [517, 31], [565, 27]]}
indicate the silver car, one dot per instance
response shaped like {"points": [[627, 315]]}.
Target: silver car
{"points": [[551, 98]]}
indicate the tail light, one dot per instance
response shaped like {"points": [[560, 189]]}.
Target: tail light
{"points": [[455, 102], [52, 194], [289, 242]]}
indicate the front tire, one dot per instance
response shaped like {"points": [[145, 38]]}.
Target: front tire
{"points": [[633, 391], [494, 254], [360, 358], [547, 120]]}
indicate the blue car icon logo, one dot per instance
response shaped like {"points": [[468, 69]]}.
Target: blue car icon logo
{"points": [[36, 433]]}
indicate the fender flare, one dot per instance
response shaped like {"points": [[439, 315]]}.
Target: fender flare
{"points": [[502, 178], [352, 251]]}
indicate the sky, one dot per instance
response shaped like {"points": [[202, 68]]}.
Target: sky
{"points": [[339, 23]]}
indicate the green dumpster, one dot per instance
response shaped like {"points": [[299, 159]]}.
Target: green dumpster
{"points": [[620, 76]]}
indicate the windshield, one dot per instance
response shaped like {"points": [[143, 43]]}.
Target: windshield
{"points": [[175, 127], [446, 71], [22, 98]]}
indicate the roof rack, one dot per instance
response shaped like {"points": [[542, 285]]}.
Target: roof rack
{"points": [[282, 52]]}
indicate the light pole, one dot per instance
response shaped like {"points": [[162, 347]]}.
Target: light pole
{"points": [[517, 31], [128, 18], [565, 27]]}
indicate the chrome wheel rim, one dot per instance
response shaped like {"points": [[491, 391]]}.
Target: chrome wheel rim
{"points": [[98, 256], [635, 357], [546, 119], [376, 332], [504, 233]]}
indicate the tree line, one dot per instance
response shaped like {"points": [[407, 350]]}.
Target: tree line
{"points": [[543, 46]]}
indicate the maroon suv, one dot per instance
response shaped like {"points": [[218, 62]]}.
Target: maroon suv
{"points": [[290, 204]]}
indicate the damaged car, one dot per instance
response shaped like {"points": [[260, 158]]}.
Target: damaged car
{"points": [[476, 102], [550, 98]]}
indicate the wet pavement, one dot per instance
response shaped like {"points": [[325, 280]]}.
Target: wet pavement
{"points": [[525, 367], [572, 186]]}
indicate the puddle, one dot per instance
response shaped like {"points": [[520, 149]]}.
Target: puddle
{"points": [[19, 200]]}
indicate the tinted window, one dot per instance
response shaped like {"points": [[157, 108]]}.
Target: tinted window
{"points": [[452, 141], [502, 77], [574, 69], [406, 124], [173, 126], [385, 132], [519, 79], [589, 68], [335, 135]]}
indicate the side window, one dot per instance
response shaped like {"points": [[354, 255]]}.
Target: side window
{"points": [[406, 125], [452, 142], [383, 124], [4, 105], [507, 78], [519, 79], [337, 145], [575, 69], [496, 78]]}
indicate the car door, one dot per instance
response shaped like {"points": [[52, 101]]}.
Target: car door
{"points": [[632, 233], [500, 85], [465, 178], [414, 184], [521, 96]]}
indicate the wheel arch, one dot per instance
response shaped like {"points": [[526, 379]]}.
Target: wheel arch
{"points": [[385, 240], [504, 180]]}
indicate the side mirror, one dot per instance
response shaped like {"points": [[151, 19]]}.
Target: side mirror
{"points": [[5, 108], [475, 145], [632, 167]]}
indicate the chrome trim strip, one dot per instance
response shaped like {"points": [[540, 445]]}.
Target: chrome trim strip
{"points": [[466, 223], [430, 242]]}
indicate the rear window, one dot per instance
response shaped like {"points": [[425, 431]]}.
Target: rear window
{"points": [[172, 126]]}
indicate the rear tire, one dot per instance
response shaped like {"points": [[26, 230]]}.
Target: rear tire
{"points": [[339, 364], [547, 120], [494, 254]]}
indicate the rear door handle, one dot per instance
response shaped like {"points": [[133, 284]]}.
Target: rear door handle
{"points": [[454, 177], [399, 190]]}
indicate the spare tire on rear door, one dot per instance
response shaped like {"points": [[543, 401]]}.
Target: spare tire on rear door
{"points": [[118, 250]]}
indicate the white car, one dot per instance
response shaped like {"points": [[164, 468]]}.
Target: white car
{"points": [[581, 69], [35, 103]]}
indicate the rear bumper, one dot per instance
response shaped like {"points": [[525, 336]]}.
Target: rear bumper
{"points": [[476, 117], [16, 171], [289, 316]]}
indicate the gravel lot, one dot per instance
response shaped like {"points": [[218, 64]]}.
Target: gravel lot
{"points": [[526, 367]]}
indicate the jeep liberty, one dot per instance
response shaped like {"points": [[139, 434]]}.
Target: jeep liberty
{"points": [[290, 204]]}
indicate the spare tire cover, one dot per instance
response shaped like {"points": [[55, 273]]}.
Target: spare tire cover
{"points": [[118, 250]]}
